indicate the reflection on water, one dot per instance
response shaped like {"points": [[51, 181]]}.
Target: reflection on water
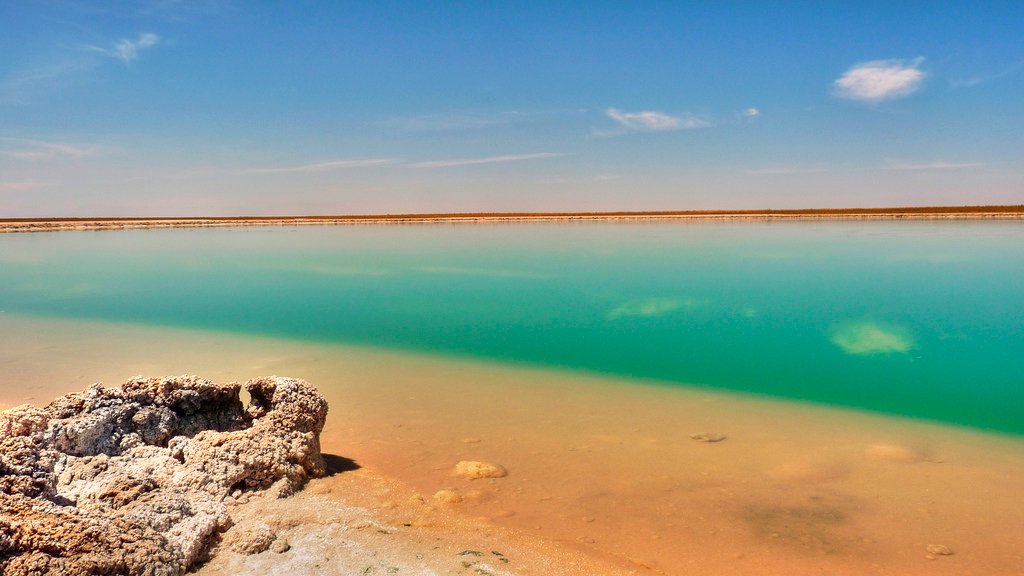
{"points": [[653, 307], [872, 338], [917, 319]]}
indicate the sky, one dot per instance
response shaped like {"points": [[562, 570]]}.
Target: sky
{"points": [[174, 108]]}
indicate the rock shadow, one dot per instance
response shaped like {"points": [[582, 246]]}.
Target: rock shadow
{"points": [[338, 464]]}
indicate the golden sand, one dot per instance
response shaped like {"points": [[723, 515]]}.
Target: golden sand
{"points": [[603, 467]]}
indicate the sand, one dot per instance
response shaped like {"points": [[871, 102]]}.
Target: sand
{"points": [[359, 522], [600, 471]]}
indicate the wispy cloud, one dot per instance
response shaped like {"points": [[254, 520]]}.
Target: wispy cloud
{"points": [[23, 85], [323, 166], [476, 119], [446, 122], [128, 50], [981, 79], [785, 170], [22, 185], [27, 149], [749, 113], [486, 160], [880, 80], [651, 121], [933, 165], [583, 179]]}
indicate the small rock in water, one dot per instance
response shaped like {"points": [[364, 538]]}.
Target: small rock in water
{"points": [[473, 470], [448, 496], [708, 437], [938, 550]]}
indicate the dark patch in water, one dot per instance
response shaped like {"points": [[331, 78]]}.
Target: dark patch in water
{"points": [[813, 527]]}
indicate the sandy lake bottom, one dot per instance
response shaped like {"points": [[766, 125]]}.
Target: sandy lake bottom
{"points": [[605, 466]]}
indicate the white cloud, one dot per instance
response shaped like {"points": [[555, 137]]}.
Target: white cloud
{"points": [[934, 165], [750, 113], [880, 80], [487, 160], [650, 121], [323, 166], [26, 149], [128, 50]]}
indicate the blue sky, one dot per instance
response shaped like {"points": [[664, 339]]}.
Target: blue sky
{"points": [[178, 108]]}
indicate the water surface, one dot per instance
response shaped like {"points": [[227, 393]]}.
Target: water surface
{"points": [[921, 319], [535, 346]]}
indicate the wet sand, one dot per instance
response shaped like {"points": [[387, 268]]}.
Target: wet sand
{"points": [[360, 522], [597, 466]]}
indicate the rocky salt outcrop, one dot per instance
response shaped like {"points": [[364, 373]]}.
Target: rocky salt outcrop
{"points": [[137, 480]]}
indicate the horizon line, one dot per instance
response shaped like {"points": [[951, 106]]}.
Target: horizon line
{"points": [[945, 209]]}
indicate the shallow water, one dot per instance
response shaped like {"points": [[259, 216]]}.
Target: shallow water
{"points": [[606, 465], [921, 319], [582, 357]]}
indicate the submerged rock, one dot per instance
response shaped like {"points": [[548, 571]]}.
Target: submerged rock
{"points": [[448, 496], [708, 437], [934, 550], [134, 480], [474, 470]]}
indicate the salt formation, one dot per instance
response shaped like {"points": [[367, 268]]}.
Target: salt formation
{"points": [[136, 480]]}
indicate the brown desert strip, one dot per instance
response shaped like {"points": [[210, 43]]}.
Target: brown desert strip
{"points": [[896, 213]]}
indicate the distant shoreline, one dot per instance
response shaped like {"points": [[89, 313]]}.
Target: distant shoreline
{"points": [[900, 213]]}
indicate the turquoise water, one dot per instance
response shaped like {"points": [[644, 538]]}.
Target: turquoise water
{"points": [[922, 318]]}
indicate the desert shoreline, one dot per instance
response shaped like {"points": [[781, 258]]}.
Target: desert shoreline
{"points": [[818, 486], [908, 213]]}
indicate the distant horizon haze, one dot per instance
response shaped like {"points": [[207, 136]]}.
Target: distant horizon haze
{"points": [[1011, 210]]}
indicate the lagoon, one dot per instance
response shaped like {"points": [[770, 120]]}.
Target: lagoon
{"points": [[866, 375], [920, 319]]}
